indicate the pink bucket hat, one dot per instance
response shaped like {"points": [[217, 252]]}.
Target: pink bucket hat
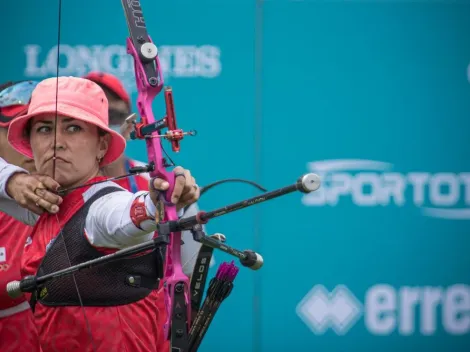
{"points": [[77, 98]]}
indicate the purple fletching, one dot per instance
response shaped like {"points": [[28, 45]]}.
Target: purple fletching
{"points": [[227, 271], [221, 271], [233, 273]]}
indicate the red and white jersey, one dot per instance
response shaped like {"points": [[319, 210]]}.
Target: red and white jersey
{"points": [[130, 327], [17, 329], [13, 235], [18, 333], [109, 226], [134, 183]]}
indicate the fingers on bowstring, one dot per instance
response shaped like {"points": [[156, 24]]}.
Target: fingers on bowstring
{"points": [[27, 201], [47, 182], [47, 196], [38, 194], [31, 201], [44, 204], [46, 188], [35, 201]]}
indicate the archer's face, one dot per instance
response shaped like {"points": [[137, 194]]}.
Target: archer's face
{"points": [[78, 146]]}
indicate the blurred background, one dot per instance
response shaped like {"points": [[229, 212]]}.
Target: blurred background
{"points": [[372, 95]]}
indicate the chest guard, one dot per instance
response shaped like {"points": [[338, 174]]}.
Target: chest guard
{"points": [[118, 282]]}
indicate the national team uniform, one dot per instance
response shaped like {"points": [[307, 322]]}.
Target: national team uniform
{"points": [[90, 229], [17, 329], [134, 183]]}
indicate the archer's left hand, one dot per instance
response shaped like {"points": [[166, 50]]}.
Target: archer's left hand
{"points": [[186, 190]]}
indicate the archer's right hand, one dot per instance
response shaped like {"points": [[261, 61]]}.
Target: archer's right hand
{"points": [[34, 192]]}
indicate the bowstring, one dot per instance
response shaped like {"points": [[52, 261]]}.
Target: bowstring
{"points": [[87, 323], [190, 259]]}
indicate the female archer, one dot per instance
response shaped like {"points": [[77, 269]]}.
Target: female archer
{"points": [[110, 307]]}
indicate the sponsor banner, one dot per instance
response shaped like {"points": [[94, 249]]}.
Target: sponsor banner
{"points": [[370, 183], [386, 310], [177, 61]]}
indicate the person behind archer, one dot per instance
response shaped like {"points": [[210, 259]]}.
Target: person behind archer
{"points": [[17, 329], [68, 137]]}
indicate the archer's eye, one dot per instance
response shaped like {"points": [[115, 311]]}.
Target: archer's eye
{"points": [[43, 129], [74, 128]]}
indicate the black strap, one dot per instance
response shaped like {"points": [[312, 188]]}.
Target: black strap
{"points": [[142, 281], [33, 300]]}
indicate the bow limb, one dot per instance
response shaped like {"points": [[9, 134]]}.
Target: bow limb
{"points": [[149, 82]]}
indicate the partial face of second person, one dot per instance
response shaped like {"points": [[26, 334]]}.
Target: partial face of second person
{"points": [[117, 108], [11, 156], [79, 147]]}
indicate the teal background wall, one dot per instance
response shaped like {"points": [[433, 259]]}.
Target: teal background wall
{"points": [[378, 258]]}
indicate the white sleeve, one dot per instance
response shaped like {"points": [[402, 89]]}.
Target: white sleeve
{"points": [[7, 204], [109, 224]]}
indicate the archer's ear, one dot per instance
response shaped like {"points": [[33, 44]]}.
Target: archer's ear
{"points": [[104, 143]]}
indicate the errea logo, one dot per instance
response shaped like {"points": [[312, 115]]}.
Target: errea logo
{"points": [[370, 183], [407, 310], [321, 310]]}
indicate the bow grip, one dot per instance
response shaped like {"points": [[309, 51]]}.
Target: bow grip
{"points": [[171, 180], [170, 177]]}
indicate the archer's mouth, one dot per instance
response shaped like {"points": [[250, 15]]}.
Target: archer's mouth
{"points": [[57, 158]]}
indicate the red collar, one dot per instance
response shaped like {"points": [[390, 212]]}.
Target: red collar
{"points": [[70, 201]]}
